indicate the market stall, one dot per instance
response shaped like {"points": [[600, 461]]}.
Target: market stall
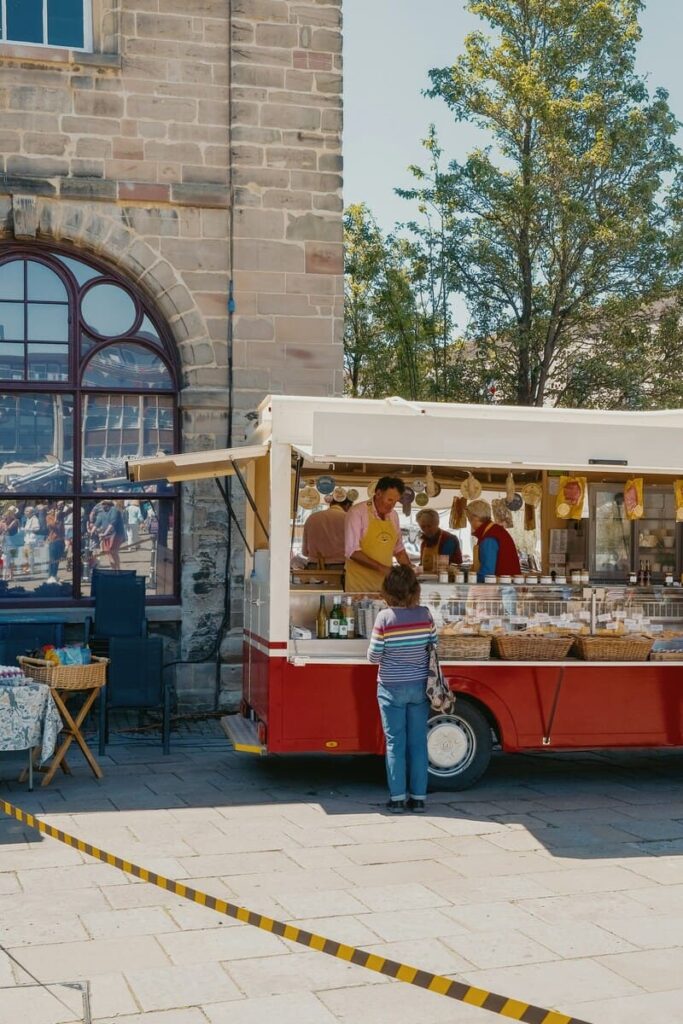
{"points": [[582, 648]]}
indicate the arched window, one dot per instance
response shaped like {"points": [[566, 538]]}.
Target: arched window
{"points": [[87, 380]]}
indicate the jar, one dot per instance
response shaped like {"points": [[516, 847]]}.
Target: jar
{"points": [[669, 579], [576, 577], [459, 577], [585, 577], [443, 577], [519, 580], [490, 579]]}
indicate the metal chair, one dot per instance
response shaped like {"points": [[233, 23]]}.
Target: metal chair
{"points": [[135, 680], [21, 635]]}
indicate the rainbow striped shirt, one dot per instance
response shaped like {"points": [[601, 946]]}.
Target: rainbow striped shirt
{"points": [[400, 645]]}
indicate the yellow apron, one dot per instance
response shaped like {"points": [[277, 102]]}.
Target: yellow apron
{"points": [[378, 542]]}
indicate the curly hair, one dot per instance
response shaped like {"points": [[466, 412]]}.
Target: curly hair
{"points": [[400, 588]]}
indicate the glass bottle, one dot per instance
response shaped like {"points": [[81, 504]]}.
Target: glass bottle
{"points": [[648, 575], [321, 620], [350, 616], [641, 576], [335, 619]]}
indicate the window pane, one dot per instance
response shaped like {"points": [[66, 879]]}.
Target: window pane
{"points": [[143, 532], [11, 362], [36, 538], [25, 21], [36, 443], [12, 280], [108, 310], [44, 285], [11, 321], [127, 366], [117, 427], [65, 23], [148, 330], [47, 323], [48, 362], [81, 271]]}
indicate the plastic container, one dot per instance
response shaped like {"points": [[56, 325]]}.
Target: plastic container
{"points": [[490, 579], [519, 580], [505, 579]]}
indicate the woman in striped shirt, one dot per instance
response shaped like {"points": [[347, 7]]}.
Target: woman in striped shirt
{"points": [[400, 646]]}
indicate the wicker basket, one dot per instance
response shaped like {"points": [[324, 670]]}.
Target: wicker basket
{"points": [[525, 647], [666, 656], [613, 648], [66, 677], [464, 648]]}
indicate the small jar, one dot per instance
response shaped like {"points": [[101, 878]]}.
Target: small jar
{"points": [[459, 577], [576, 577], [669, 580], [585, 577], [633, 579], [443, 577]]}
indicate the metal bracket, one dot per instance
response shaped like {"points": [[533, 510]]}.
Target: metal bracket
{"points": [[232, 513]]}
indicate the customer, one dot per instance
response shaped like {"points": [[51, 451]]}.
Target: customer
{"points": [[113, 532], [56, 545], [400, 644]]}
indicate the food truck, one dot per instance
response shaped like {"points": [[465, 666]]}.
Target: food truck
{"points": [[583, 649]]}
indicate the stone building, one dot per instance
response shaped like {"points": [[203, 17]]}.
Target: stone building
{"points": [[153, 151]]}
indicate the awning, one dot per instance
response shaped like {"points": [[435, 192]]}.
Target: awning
{"points": [[194, 465]]}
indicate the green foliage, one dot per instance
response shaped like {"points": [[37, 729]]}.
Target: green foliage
{"points": [[559, 234]]}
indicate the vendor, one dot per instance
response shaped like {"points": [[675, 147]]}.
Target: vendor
{"points": [[373, 538], [496, 549], [324, 537], [436, 541]]}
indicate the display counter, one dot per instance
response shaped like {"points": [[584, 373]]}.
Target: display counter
{"points": [[525, 624]]}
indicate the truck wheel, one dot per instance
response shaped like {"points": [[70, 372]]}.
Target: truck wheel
{"points": [[459, 745]]}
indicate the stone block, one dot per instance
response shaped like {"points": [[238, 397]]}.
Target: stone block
{"points": [[161, 108], [42, 143], [301, 330], [332, 121], [143, 192], [262, 77], [311, 284], [324, 258], [90, 126], [328, 82], [36, 166], [254, 328], [298, 81], [277, 35], [333, 203], [314, 227], [24, 216], [314, 357], [97, 104], [269, 256], [259, 224], [316, 182], [284, 305], [262, 10], [87, 168], [326, 41], [280, 156], [202, 194], [87, 188], [281, 115], [285, 199], [36, 97]]}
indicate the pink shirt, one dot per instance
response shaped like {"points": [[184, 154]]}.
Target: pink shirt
{"points": [[356, 524], [324, 535]]}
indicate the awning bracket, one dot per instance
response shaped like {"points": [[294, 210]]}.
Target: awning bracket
{"points": [[233, 515]]}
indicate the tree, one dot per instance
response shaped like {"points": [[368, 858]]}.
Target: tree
{"points": [[562, 216]]}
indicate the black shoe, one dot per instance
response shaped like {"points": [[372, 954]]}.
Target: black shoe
{"points": [[416, 806], [396, 806]]}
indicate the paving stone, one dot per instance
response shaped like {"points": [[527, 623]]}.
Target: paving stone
{"points": [[201, 947], [638, 1009], [290, 1008], [646, 931], [321, 904], [484, 917], [297, 972], [39, 1005], [187, 1015], [388, 1004], [136, 921], [498, 948], [575, 938], [409, 924], [552, 984], [165, 988], [654, 970], [393, 852], [234, 864], [399, 897], [432, 955], [592, 879], [83, 960]]}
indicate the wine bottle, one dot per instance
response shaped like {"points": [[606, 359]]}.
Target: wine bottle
{"points": [[334, 620], [648, 575], [321, 620], [350, 616], [641, 576]]}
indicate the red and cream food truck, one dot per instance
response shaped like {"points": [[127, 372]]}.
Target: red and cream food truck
{"points": [[583, 649]]}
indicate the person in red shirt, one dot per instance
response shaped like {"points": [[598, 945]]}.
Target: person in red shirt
{"points": [[496, 548]]}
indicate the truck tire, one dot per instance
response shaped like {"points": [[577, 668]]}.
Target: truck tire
{"points": [[459, 745]]}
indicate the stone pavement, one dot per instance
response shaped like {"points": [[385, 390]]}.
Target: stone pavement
{"points": [[558, 880]]}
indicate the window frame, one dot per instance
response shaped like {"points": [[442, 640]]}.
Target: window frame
{"points": [[87, 18], [74, 387]]}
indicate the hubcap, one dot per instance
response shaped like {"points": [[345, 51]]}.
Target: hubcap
{"points": [[451, 745]]}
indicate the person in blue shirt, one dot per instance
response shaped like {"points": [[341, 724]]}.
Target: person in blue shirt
{"points": [[436, 541], [497, 554]]}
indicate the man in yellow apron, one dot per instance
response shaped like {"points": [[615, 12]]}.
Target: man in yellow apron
{"points": [[373, 538]]}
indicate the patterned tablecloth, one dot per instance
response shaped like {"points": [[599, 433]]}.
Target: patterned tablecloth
{"points": [[28, 718]]}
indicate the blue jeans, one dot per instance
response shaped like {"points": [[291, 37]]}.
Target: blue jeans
{"points": [[404, 710]]}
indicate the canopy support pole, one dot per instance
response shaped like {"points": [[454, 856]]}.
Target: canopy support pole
{"points": [[232, 514]]}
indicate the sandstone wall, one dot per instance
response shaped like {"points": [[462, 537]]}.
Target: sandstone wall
{"points": [[126, 153]]}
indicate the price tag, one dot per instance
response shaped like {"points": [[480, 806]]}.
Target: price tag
{"points": [[613, 626], [631, 624], [519, 620], [541, 617], [485, 627], [656, 629], [585, 616], [496, 623], [605, 618], [619, 616]]}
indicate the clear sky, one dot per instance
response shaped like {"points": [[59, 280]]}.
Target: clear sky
{"points": [[389, 46]]}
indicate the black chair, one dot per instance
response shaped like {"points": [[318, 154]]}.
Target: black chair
{"points": [[135, 680], [119, 607]]}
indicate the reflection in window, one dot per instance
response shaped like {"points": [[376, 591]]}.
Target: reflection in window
{"points": [[127, 366], [36, 443], [60, 377], [108, 310], [119, 427], [142, 530]]}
